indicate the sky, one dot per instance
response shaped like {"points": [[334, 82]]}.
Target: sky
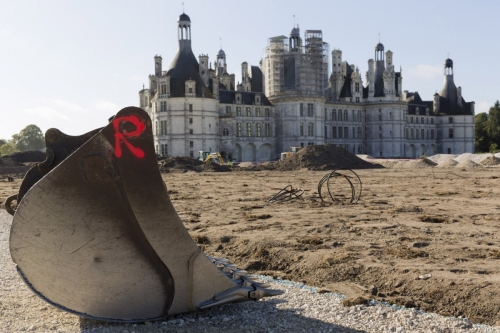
{"points": [[73, 64]]}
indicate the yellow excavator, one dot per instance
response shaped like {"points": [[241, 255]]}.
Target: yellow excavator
{"points": [[209, 158]]}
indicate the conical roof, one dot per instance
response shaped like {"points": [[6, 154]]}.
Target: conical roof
{"points": [[185, 67], [183, 17]]}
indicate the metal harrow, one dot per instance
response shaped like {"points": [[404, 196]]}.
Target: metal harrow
{"points": [[286, 194]]}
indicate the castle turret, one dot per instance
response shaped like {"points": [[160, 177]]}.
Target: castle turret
{"points": [[221, 63], [295, 42], [184, 31]]}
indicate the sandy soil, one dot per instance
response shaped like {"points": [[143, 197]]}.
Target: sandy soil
{"points": [[409, 222]]}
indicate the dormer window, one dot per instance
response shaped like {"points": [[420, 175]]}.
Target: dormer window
{"points": [[190, 88]]}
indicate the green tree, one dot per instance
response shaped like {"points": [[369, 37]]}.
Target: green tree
{"points": [[8, 148], [2, 142], [30, 138], [493, 124], [482, 138]]}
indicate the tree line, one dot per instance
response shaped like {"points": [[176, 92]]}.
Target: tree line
{"points": [[488, 130], [30, 138]]}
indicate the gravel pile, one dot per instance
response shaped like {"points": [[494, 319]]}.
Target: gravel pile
{"points": [[468, 164], [439, 158], [449, 163], [405, 164], [477, 158], [490, 161], [300, 309]]}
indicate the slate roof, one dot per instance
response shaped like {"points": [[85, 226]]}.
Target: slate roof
{"points": [[379, 78], [248, 97], [183, 17], [184, 67], [257, 80], [346, 88]]}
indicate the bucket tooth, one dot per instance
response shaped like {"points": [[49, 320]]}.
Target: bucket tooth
{"points": [[98, 236]]}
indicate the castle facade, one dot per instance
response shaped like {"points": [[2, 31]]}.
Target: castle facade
{"points": [[293, 99]]}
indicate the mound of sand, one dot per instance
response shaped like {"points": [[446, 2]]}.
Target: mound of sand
{"points": [[467, 164], [415, 164], [449, 163], [323, 157], [490, 161], [439, 158]]}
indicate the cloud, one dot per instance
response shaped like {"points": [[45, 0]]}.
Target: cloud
{"points": [[426, 72], [483, 107], [46, 113], [66, 105], [4, 32], [105, 106]]}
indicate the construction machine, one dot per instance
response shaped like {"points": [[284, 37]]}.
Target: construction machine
{"points": [[95, 233], [293, 150], [214, 158], [203, 155]]}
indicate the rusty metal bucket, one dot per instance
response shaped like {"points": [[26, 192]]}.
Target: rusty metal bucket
{"points": [[95, 232]]}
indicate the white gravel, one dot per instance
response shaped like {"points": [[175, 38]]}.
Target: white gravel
{"points": [[300, 309]]}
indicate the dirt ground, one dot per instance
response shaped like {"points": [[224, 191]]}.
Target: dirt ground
{"points": [[408, 223]]}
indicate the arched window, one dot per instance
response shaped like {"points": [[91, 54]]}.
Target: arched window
{"points": [[225, 132], [334, 115]]}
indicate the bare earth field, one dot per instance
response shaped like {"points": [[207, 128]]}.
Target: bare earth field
{"points": [[408, 223]]}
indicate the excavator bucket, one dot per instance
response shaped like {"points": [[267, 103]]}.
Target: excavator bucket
{"points": [[95, 232]]}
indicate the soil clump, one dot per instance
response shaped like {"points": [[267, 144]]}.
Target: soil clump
{"points": [[181, 164], [16, 165], [25, 156]]}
